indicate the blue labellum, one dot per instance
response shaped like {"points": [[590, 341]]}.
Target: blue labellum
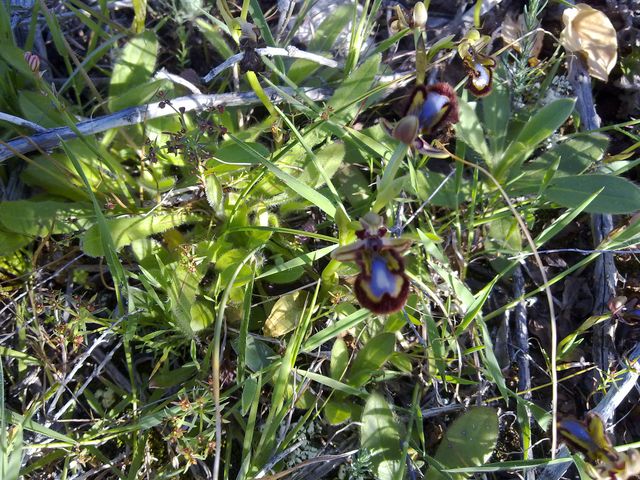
{"points": [[382, 279], [432, 110], [577, 431]]}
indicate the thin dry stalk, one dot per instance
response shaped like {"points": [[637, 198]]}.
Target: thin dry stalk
{"points": [[552, 315]]}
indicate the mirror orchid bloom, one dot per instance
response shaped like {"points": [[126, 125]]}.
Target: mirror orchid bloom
{"points": [[590, 438], [478, 65], [382, 286], [431, 108], [480, 70]]}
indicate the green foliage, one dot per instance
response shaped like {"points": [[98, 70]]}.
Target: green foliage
{"points": [[201, 244], [131, 73], [367, 363], [469, 441], [125, 230], [380, 435], [617, 195], [538, 128], [11, 441]]}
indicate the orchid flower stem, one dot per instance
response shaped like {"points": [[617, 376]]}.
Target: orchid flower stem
{"points": [[245, 10], [389, 175], [254, 83], [227, 16]]}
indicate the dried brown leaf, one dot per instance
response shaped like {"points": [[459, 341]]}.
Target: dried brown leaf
{"points": [[513, 30], [284, 315], [589, 33]]}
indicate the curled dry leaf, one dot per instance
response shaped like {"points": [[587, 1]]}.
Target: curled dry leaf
{"points": [[589, 33]]}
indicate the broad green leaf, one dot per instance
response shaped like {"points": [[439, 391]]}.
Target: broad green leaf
{"points": [[37, 219], [440, 44], [537, 129], [339, 359], [105, 240], [325, 36], [249, 392], [618, 194], [353, 185], [213, 191], [427, 182], [380, 435], [561, 222], [370, 142], [202, 315], [337, 410], [11, 455], [259, 354], [329, 157], [344, 100], [127, 229], [139, 95], [334, 330], [504, 234], [386, 196], [469, 130], [496, 110], [10, 242], [181, 285], [14, 56], [6, 30], [57, 174], [293, 183], [216, 36], [232, 153], [571, 157], [39, 109], [169, 378], [469, 441], [134, 66], [226, 264], [323, 41], [576, 154], [371, 358], [402, 362]]}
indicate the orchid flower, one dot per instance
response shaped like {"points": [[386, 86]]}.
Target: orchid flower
{"points": [[479, 66], [430, 110], [382, 286], [590, 438]]}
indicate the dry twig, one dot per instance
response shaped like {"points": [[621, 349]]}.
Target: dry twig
{"points": [[291, 52]]}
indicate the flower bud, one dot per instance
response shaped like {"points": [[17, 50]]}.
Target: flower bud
{"points": [[33, 61], [406, 130], [420, 16]]}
